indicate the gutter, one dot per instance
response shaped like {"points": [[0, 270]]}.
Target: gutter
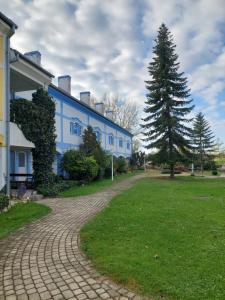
{"points": [[13, 28]]}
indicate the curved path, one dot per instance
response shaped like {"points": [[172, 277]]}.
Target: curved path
{"points": [[43, 261]]}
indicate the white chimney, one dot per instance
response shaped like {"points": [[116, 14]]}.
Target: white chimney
{"points": [[85, 97], [64, 83], [100, 107], [110, 114], [34, 56]]}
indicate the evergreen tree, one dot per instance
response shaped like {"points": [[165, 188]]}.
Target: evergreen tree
{"points": [[92, 147], [203, 139], [36, 119], [167, 104], [90, 143]]}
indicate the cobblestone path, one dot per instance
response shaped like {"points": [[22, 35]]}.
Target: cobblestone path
{"points": [[43, 261]]}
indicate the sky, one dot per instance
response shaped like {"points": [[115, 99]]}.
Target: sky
{"points": [[106, 45]]}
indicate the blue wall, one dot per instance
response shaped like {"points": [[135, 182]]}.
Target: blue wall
{"points": [[69, 109]]}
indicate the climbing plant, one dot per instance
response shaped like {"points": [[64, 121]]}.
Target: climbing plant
{"points": [[36, 119]]}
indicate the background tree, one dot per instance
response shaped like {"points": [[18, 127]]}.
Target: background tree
{"points": [[203, 140], [137, 159], [126, 111], [36, 119], [167, 104], [92, 147]]}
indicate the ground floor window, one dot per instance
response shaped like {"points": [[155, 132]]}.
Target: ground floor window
{"points": [[21, 159]]}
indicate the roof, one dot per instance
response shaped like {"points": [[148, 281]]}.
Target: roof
{"points": [[33, 63], [8, 21], [90, 108]]}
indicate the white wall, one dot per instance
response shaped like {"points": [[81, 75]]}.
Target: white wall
{"points": [[3, 121], [68, 113]]}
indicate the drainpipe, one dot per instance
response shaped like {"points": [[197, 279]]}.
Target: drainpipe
{"points": [[8, 111]]}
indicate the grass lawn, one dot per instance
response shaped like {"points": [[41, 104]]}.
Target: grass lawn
{"points": [[164, 238], [19, 215], [95, 186]]}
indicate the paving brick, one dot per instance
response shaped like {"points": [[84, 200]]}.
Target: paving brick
{"points": [[91, 294], [81, 297], [43, 259], [67, 294]]}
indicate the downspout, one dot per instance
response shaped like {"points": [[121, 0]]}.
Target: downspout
{"points": [[8, 111]]}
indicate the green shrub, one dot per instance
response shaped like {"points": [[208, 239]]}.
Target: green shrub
{"points": [[4, 202], [121, 165], [214, 172], [79, 166], [73, 163], [108, 172], [53, 189], [92, 168]]}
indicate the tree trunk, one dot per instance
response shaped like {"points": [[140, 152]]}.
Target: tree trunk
{"points": [[201, 156], [202, 168], [171, 170]]}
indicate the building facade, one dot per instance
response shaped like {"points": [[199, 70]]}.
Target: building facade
{"points": [[73, 116], [26, 76], [21, 75]]}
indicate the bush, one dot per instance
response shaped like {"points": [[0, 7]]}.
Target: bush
{"points": [[101, 173], [92, 168], [78, 166], [4, 202], [73, 164], [214, 172], [108, 172], [53, 189], [122, 166]]}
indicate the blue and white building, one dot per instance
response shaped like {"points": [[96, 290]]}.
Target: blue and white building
{"points": [[72, 117]]}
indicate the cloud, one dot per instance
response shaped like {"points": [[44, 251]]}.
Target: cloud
{"points": [[106, 45]]}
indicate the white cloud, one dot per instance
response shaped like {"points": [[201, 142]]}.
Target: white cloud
{"points": [[106, 45]]}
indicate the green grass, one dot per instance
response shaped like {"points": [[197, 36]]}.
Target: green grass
{"points": [[20, 214], [164, 238], [95, 186]]}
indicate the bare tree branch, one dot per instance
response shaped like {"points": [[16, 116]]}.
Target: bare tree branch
{"points": [[126, 112]]}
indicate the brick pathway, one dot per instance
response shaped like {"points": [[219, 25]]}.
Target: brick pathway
{"points": [[43, 261]]}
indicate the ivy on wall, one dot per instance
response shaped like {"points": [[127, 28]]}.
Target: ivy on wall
{"points": [[36, 119]]}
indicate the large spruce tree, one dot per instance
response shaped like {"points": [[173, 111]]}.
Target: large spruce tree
{"points": [[167, 104], [203, 140]]}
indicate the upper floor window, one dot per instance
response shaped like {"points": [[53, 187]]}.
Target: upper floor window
{"points": [[111, 139], [128, 145], [75, 128], [120, 143], [98, 134]]}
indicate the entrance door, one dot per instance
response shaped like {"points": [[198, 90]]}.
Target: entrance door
{"points": [[22, 165]]}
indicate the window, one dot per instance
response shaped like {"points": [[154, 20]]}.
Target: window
{"points": [[120, 143], [128, 145], [111, 139], [21, 159], [98, 135], [75, 128]]}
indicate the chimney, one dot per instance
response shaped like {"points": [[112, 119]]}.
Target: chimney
{"points": [[110, 114], [34, 56], [64, 83], [85, 97], [100, 107]]}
